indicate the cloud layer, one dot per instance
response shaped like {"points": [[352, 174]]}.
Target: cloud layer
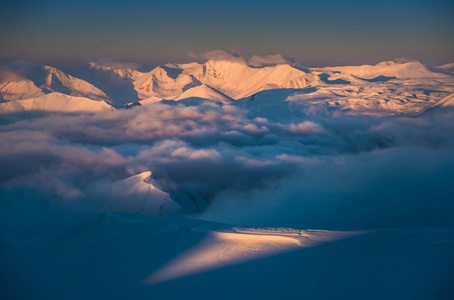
{"points": [[319, 172]]}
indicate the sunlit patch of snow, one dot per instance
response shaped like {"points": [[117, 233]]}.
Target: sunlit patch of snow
{"points": [[220, 249]]}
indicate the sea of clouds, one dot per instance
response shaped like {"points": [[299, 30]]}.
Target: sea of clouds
{"points": [[321, 171]]}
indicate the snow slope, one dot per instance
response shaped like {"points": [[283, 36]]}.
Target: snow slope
{"points": [[118, 256], [114, 78], [55, 102], [31, 81], [143, 197], [447, 102], [205, 92], [14, 86], [164, 82], [112, 70], [58, 81], [147, 194], [446, 105], [389, 69], [447, 68]]}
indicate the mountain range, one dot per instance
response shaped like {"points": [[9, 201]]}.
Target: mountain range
{"points": [[383, 89]]}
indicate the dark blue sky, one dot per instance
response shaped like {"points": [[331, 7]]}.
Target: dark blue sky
{"points": [[315, 33]]}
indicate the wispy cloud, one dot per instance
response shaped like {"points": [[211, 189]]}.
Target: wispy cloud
{"points": [[219, 55], [269, 60]]}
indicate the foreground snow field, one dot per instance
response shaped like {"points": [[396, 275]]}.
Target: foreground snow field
{"points": [[118, 256], [224, 180]]}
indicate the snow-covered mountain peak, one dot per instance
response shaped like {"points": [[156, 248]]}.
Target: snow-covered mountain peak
{"points": [[15, 86], [224, 62], [205, 92], [164, 82], [239, 80], [31, 81], [187, 66], [53, 75], [55, 102], [405, 70], [145, 197], [386, 63], [114, 78], [221, 70], [231, 78], [112, 64], [446, 68], [109, 71], [445, 105], [58, 81]]}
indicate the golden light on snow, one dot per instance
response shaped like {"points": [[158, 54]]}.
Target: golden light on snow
{"points": [[220, 249]]}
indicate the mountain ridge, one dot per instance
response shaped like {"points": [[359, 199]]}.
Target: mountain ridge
{"points": [[386, 86], [55, 102]]}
